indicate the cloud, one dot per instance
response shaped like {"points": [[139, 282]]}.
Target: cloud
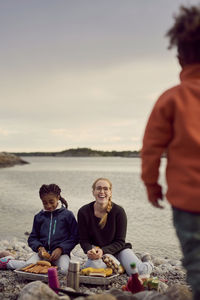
{"points": [[82, 75], [6, 132], [97, 108], [61, 132], [110, 136]]}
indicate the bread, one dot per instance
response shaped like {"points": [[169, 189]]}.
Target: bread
{"points": [[41, 267], [35, 269], [97, 272], [111, 262], [45, 255], [27, 267], [44, 263]]}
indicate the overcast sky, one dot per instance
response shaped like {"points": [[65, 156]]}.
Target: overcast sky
{"points": [[82, 73]]}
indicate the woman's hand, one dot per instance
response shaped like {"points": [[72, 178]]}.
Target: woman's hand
{"points": [[99, 252], [56, 254], [95, 253]]}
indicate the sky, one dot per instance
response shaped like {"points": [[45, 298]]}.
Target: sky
{"points": [[82, 73]]}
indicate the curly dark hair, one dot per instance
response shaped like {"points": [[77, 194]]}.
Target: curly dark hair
{"points": [[185, 34], [52, 188]]}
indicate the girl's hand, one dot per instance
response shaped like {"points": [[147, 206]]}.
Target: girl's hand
{"points": [[40, 251], [95, 253], [56, 254]]}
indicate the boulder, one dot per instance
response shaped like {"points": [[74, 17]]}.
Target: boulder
{"points": [[104, 296], [145, 295], [179, 292], [38, 290], [5, 253], [9, 160], [151, 295]]}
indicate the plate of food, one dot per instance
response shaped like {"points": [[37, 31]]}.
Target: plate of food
{"points": [[37, 271], [97, 276]]}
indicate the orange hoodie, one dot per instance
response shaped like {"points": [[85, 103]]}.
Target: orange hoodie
{"points": [[174, 127]]}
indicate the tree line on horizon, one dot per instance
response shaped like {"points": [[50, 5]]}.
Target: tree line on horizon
{"points": [[82, 152]]}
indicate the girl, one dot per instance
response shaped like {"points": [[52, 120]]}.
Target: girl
{"points": [[54, 233], [102, 230]]}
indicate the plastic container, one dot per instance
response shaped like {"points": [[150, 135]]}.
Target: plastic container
{"points": [[53, 280]]}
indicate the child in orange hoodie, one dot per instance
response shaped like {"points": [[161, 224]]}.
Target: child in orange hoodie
{"points": [[174, 128]]}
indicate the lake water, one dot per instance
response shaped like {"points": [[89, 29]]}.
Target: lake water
{"points": [[149, 229]]}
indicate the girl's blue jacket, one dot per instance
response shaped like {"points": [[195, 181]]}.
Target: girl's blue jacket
{"points": [[54, 229]]}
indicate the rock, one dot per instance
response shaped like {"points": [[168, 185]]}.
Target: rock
{"points": [[3, 284], [5, 253], [150, 295], [5, 243], [120, 295], [9, 160], [38, 290], [11, 285], [179, 292], [174, 262], [159, 261], [162, 287], [103, 296], [145, 295]]}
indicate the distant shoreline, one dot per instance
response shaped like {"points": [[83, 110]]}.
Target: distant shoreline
{"points": [[82, 152], [10, 160]]}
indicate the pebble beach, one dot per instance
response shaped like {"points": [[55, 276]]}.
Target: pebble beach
{"points": [[167, 269]]}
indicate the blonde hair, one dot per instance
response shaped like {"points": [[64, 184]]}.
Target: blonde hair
{"points": [[103, 220]]}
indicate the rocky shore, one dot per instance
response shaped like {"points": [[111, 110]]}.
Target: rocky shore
{"points": [[9, 160], [169, 271]]}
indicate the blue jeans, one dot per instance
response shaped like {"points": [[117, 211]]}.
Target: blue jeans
{"points": [[187, 225]]}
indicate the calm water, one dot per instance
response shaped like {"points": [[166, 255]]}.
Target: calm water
{"points": [[149, 229]]}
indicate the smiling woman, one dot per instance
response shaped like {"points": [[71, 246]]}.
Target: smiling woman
{"points": [[102, 191], [102, 229]]}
